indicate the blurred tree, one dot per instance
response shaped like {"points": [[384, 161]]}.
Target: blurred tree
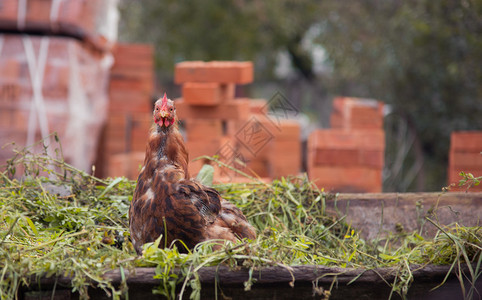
{"points": [[220, 29], [423, 57]]}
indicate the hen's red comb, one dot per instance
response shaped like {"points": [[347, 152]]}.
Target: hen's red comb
{"points": [[164, 102]]}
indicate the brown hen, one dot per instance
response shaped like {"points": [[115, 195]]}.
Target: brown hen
{"points": [[166, 202]]}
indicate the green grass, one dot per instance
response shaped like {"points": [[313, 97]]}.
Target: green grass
{"points": [[59, 221]]}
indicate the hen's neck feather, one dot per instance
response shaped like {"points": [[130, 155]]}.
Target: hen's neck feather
{"points": [[166, 146]]}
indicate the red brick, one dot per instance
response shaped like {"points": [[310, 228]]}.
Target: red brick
{"points": [[465, 159], [283, 144], [136, 51], [257, 166], [38, 11], [279, 129], [346, 104], [15, 119], [134, 62], [287, 129], [10, 68], [196, 93], [454, 178], [130, 101], [82, 14], [356, 113], [9, 93], [337, 121], [131, 62], [284, 156], [123, 72], [214, 71], [284, 170], [466, 141], [348, 157], [361, 121], [347, 179], [228, 91], [232, 110], [338, 139], [248, 155], [8, 10], [284, 164], [199, 129], [56, 81], [258, 106], [208, 146], [127, 132], [145, 86], [207, 93], [125, 165], [280, 150]]}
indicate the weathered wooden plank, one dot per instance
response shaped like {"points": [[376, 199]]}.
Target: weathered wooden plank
{"points": [[377, 214], [280, 274], [280, 282]]}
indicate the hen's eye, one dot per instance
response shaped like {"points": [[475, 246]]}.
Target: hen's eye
{"points": [[157, 108], [171, 109]]}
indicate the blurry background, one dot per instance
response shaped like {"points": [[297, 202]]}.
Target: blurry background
{"points": [[421, 58]]}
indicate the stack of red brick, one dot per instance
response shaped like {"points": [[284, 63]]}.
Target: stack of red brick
{"points": [[237, 130], [208, 107], [465, 156], [350, 156], [124, 137], [55, 80], [51, 84], [275, 150]]}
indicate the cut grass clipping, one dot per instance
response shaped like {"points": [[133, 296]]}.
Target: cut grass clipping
{"points": [[59, 221]]}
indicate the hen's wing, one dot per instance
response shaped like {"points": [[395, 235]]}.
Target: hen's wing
{"points": [[167, 208], [223, 219], [207, 200]]}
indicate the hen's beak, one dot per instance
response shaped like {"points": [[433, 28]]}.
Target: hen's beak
{"points": [[164, 114]]}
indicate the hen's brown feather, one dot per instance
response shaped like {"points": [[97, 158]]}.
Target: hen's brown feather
{"points": [[166, 202]]}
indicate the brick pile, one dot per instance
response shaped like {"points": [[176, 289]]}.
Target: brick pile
{"points": [[356, 113], [237, 130], [208, 107], [123, 140], [54, 66], [275, 150], [51, 84], [349, 157], [465, 156]]}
